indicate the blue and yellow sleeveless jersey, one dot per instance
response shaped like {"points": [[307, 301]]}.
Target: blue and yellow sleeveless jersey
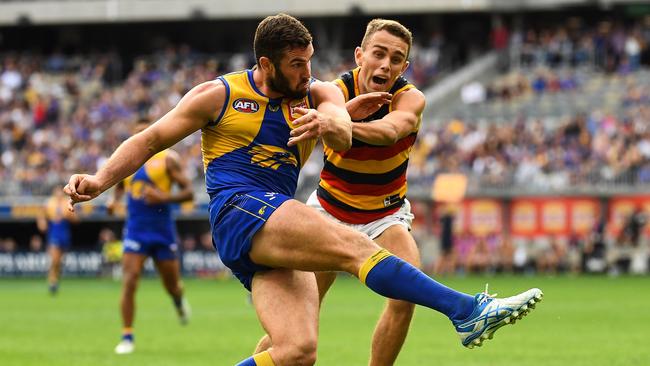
{"points": [[58, 226], [366, 182], [145, 222], [249, 169], [245, 148]]}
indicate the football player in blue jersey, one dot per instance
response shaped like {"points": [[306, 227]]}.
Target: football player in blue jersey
{"points": [[55, 220], [150, 231], [258, 128]]}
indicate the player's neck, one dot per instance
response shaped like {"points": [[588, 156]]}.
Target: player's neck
{"points": [[260, 82], [362, 87]]}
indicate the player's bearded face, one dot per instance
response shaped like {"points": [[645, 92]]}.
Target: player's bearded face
{"points": [[280, 83]]}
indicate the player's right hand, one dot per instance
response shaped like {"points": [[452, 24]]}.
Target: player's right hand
{"points": [[81, 188], [365, 105]]}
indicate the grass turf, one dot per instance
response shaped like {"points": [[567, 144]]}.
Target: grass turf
{"points": [[582, 321]]}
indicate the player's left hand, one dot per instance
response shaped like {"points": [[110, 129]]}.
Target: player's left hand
{"points": [[312, 124], [364, 105], [154, 196]]}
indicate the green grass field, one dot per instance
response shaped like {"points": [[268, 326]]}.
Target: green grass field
{"points": [[582, 321]]}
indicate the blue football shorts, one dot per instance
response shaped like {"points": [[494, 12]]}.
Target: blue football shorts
{"points": [[60, 241], [154, 249], [234, 225]]}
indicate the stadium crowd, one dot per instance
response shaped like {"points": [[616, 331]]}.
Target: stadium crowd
{"points": [[594, 129], [608, 45], [62, 113], [583, 149]]}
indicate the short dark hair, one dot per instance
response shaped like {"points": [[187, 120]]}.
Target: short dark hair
{"points": [[277, 33], [391, 26]]}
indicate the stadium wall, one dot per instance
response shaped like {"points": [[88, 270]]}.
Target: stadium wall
{"points": [[94, 264], [535, 216]]}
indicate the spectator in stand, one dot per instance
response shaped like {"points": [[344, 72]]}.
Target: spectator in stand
{"points": [[111, 253], [506, 255], [188, 243], [446, 261], [622, 253], [574, 253], [480, 257], [36, 244], [546, 254], [499, 37], [8, 245]]}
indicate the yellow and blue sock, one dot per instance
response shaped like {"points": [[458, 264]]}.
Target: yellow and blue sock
{"points": [[127, 334], [260, 359], [392, 277]]}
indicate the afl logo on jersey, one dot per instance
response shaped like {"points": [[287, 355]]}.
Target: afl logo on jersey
{"points": [[245, 105]]}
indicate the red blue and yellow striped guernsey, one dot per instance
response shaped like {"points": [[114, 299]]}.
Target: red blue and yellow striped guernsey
{"points": [[366, 182]]}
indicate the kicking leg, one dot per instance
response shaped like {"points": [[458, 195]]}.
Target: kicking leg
{"points": [[298, 237], [295, 236]]}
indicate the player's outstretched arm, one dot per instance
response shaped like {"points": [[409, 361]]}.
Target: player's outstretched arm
{"points": [[400, 122], [329, 120], [198, 107]]}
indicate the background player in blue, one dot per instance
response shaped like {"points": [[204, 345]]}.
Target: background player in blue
{"points": [[150, 231], [55, 220], [258, 126]]}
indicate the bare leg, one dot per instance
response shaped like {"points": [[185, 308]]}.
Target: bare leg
{"points": [[286, 302], [132, 267], [324, 281], [394, 322], [56, 258], [170, 274], [299, 237]]}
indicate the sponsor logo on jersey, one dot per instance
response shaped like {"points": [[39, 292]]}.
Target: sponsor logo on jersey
{"points": [[391, 200], [302, 103], [273, 157], [245, 105]]}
